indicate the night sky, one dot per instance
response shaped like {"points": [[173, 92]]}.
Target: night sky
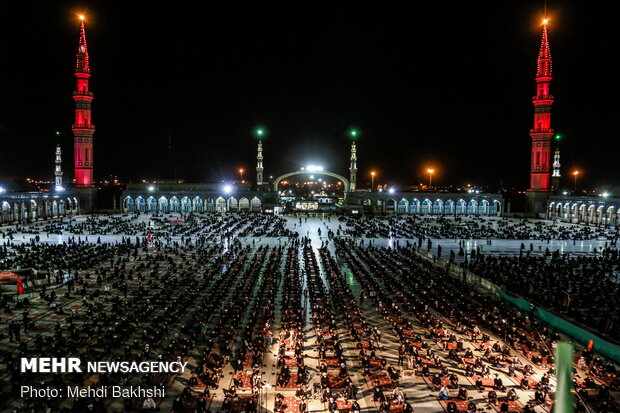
{"points": [[442, 84]]}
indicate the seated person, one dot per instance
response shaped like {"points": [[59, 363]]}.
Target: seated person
{"points": [[512, 394], [498, 384], [525, 383], [492, 397], [463, 394], [471, 407], [451, 408], [444, 393]]}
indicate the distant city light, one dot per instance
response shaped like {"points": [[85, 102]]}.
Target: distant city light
{"points": [[227, 189]]}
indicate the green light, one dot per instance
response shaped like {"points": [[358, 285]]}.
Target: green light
{"points": [[57, 133], [353, 133], [558, 137], [259, 132]]}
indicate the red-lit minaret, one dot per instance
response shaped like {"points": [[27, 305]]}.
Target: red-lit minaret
{"points": [[541, 133], [83, 129]]}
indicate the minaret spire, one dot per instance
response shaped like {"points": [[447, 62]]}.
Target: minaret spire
{"points": [[556, 170], [542, 132], [83, 129], [353, 165], [58, 169], [260, 134]]}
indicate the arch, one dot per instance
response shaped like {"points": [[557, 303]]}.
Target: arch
{"points": [[256, 204], [233, 204], [140, 204], [589, 218], [495, 208], [449, 207], [186, 204], [425, 207], [33, 210], [220, 205], [600, 215], [551, 210], [483, 208], [62, 207], [414, 207], [151, 204], [129, 204], [611, 215], [437, 207], [244, 204], [76, 203], [175, 204], [402, 206], [581, 214], [197, 204], [558, 210], [164, 205], [567, 211], [211, 204], [472, 207], [344, 180], [5, 215], [461, 207]]}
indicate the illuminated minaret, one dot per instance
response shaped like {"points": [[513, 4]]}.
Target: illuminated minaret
{"points": [[58, 169], [555, 177], [83, 129], [542, 133], [259, 157], [353, 167]]}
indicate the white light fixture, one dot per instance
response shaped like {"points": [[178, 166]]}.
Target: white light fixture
{"points": [[313, 168], [227, 189], [151, 188]]}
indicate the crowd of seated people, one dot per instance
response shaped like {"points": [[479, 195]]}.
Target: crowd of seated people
{"points": [[469, 227], [214, 303]]}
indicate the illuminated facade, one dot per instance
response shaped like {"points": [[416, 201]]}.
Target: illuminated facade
{"points": [[83, 129], [541, 133]]}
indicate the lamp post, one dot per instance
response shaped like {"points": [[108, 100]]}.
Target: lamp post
{"points": [[575, 175], [430, 177], [372, 180], [241, 174]]}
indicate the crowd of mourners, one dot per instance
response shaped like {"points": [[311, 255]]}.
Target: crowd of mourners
{"points": [[198, 288], [471, 227]]}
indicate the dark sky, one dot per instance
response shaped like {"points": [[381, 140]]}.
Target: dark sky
{"points": [[447, 84]]}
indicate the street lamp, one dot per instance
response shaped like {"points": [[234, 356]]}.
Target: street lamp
{"points": [[430, 177], [575, 174], [372, 179], [241, 174]]}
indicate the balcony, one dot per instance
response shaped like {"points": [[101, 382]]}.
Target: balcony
{"points": [[78, 93], [543, 97]]}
